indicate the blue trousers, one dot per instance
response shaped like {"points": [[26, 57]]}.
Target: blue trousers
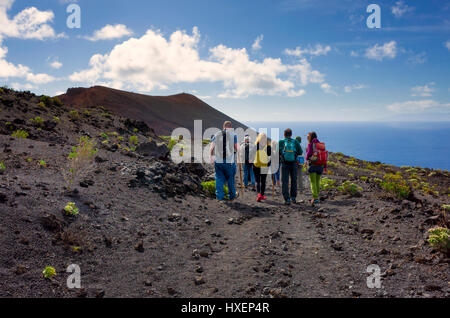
{"points": [[225, 173], [248, 169]]}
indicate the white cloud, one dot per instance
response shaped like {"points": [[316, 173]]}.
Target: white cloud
{"points": [[154, 62], [29, 23], [313, 51], [8, 69], [257, 44], [423, 91], [354, 54], [109, 32], [419, 106], [350, 88], [22, 86], [379, 52], [327, 88], [416, 59], [56, 64], [400, 8], [447, 45]]}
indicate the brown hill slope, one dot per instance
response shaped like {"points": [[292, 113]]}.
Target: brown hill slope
{"points": [[162, 113]]}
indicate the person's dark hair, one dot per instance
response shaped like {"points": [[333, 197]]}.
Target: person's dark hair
{"points": [[313, 135], [288, 133]]}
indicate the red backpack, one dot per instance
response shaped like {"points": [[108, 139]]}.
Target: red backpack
{"points": [[320, 154]]}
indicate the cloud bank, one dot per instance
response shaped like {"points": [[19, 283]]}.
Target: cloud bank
{"points": [[154, 62]]}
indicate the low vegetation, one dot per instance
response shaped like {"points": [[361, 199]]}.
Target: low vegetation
{"points": [[49, 272], [439, 238], [20, 134], [395, 184], [71, 209], [326, 183], [350, 188], [210, 188], [81, 160], [37, 121]]}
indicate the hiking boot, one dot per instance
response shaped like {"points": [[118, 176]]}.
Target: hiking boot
{"points": [[259, 197], [263, 197], [287, 202], [293, 200], [254, 188]]}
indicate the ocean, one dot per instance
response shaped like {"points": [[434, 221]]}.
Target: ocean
{"points": [[418, 144]]}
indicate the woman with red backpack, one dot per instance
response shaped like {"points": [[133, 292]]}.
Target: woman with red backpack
{"points": [[316, 156]]}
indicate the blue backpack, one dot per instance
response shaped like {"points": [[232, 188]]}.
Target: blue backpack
{"points": [[289, 153]]}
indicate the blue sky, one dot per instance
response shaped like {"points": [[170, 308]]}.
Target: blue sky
{"points": [[255, 60]]}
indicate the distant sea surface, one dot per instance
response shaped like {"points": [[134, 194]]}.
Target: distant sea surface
{"points": [[418, 144]]}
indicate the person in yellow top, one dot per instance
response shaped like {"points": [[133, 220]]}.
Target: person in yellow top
{"points": [[261, 165]]}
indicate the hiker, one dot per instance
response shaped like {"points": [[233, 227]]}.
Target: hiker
{"points": [[300, 164], [289, 150], [275, 174], [223, 146], [316, 156], [247, 157], [261, 165]]}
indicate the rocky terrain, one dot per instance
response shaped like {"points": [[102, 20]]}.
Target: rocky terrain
{"points": [[145, 227]]}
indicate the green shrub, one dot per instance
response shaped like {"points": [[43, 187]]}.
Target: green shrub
{"points": [[439, 237], [172, 143], [47, 100], [133, 140], [363, 178], [21, 134], [103, 135], [42, 163], [352, 163], [332, 164], [2, 167], [57, 101], [350, 188], [446, 207], [210, 188], [74, 115], [71, 209], [395, 184], [81, 160], [326, 183], [56, 119], [37, 121], [41, 105], [49, 272]]}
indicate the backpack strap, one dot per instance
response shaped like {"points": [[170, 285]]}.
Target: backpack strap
{"points": [[224, 145]]}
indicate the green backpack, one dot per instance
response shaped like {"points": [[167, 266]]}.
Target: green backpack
{"points": [[289, 151]]}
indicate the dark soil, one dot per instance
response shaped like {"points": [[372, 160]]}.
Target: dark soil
{"points": [[145, 228]]}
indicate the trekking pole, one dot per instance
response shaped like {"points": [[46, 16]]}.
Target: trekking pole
{"points": [[241, 179], [273, 185]]}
